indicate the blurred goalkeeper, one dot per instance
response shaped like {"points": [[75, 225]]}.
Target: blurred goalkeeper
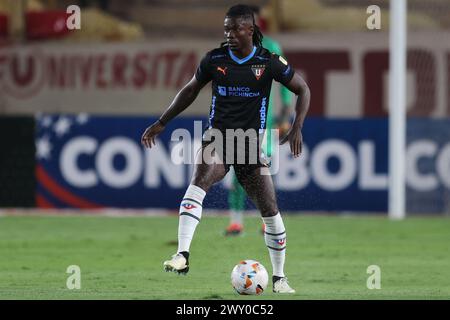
{"points": [[241, 72], [237, 195]]}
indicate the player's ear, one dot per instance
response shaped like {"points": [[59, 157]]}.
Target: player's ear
{"points": [[251, 30]]}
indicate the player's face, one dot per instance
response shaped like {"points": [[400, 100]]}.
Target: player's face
{"points": [[238, 33]]}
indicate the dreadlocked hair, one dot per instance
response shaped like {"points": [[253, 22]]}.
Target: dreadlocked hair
{"points": [[244, 11]]}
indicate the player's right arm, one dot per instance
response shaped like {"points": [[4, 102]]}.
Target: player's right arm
{"points": [[182, 100]]}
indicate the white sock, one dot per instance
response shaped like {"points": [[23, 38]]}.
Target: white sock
{"points": [[190, 215], [236, 216], [275, 237]]}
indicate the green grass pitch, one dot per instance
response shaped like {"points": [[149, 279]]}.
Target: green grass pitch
{"points": [[121, 258]]}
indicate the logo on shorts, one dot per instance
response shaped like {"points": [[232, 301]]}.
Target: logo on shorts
{"points": [[223, 70], [188, 206], [258, 71]]}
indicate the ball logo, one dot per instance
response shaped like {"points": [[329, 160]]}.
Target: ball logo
{"points": [[248, 282]]}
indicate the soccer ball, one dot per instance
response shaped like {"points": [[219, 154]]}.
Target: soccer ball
{"points": [[249, 277]]}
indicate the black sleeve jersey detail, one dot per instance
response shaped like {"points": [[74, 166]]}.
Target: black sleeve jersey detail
{"points": [[203, 73], [282, 71]]}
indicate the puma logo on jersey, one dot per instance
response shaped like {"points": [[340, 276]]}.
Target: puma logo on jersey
{"points": [[223, 70]]}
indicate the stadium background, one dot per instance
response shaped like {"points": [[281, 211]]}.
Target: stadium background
{"points": [[73, 104]]}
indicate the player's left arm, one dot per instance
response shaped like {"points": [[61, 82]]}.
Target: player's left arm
{"points": [[283, 121], [299, 87], [286, 102], [286, 75]]}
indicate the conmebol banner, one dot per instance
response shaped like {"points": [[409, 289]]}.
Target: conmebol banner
{"points": [[96, 162]]}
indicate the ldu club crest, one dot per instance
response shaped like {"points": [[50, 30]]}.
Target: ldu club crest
{"points": [[258, 71]]}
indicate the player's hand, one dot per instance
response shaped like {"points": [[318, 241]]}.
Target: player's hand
{"points": [[283, 128], [295, 138], [283, 122], [149, 135]]}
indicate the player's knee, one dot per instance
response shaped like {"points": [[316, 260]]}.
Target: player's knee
{"points": [[201, 182], [205, 181], [269, 211]]}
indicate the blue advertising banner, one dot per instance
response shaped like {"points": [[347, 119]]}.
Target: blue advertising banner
{"points": [[98, 162]]}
